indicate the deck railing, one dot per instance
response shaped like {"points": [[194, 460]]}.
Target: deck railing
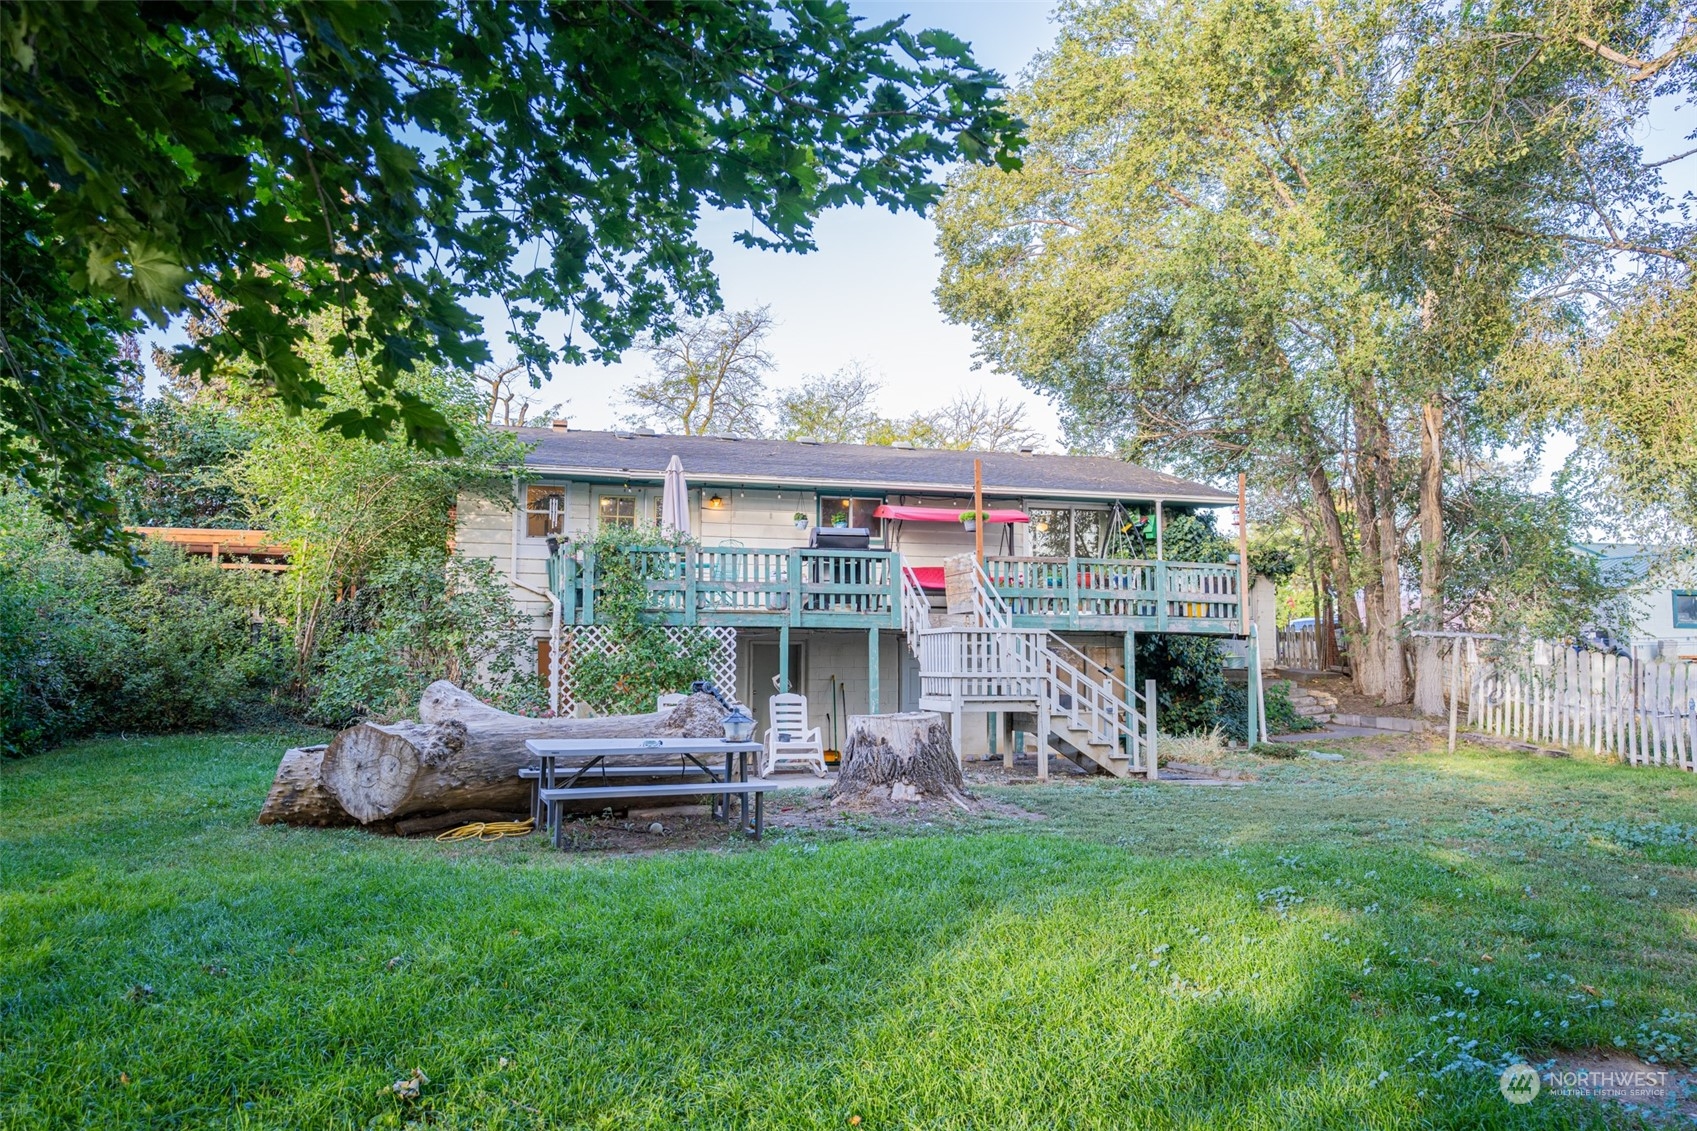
{"points": [[742, 585], [863, 588], [1108, 593]]}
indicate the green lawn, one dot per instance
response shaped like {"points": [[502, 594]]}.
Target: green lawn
{"points": [[1304, 952]]}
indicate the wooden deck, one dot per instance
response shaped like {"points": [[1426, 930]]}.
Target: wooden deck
{"points": [[802, 588], [228, 549]]}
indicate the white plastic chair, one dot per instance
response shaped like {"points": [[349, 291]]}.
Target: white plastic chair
{"points": [[669, 700], [789, 739]]}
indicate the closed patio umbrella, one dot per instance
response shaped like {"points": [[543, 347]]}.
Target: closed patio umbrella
{"points": [[674, 503]]}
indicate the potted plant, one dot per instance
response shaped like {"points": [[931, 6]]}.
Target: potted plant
{"points": [[969, 520], [840, 519], [800, 521]]}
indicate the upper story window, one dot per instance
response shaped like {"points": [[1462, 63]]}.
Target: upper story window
{"points": [[1685, 608], [544, 511], [841, 510]]}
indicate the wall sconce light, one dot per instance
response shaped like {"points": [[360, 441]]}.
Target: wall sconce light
{"points": [[715, 503]]}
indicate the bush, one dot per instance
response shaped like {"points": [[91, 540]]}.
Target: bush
{"points": [[87, 645], [422, 618]]}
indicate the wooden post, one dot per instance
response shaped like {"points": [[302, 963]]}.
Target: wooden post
{"points": [[872, 670], [1252, 669], [978, 507], [783, 657], [1455, 685], [1151, 751], [1160, 532], [1243, 553]]}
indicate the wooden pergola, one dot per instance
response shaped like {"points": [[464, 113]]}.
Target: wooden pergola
{"points": [[228, 549]]}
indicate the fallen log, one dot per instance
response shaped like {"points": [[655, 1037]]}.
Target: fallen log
{"points": [[298, 796], [460, 754]]}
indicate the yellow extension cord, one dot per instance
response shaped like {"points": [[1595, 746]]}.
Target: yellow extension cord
{"points": [[489, 830]]}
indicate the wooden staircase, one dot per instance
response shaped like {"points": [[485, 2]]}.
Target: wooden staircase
{"points": [[1033, 679]]}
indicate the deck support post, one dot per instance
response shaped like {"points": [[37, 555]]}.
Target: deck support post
{"points": [[783, 658], [1153, 753], [872, 670], [1042, 738], [1128, 652]]}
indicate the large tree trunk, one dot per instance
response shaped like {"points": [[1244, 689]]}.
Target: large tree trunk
{"points": [[1337, 547], [460, 754], [905, 757], [1429, 663], [298, 796]]}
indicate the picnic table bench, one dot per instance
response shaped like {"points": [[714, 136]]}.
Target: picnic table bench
{"points": [[593, 779]]}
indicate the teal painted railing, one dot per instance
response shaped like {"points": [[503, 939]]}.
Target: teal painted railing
{"points": [[1117, 594], [737, 585], [862, 589]]}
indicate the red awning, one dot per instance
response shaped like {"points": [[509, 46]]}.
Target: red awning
{"points": [[928, 577], [941, 514]]}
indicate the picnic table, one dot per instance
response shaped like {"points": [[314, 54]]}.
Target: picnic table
{"points": [[604, 764]]}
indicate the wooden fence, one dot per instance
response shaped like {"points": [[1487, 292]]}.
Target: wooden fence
{"points": [[1644, 713], [1300, 648]]}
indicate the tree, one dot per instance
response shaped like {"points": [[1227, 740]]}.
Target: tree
{"points": [[835, 410], [970, 421], [345, 506], [710, 376], [65, 419], [1291, 239], [267, 163]]}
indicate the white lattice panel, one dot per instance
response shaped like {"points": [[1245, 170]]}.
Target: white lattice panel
{"points": [[721, 664]]}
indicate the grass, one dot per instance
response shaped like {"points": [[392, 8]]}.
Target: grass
{"points": [[1308, 951]]}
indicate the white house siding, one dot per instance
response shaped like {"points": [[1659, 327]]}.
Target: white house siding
{"points": [[756, 519], [825, 653]]}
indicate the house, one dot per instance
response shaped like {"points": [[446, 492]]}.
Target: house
{"points": [[823, 568], [1663, 590]]}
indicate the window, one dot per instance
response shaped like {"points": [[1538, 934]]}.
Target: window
{"points": [[1067, 532], [544, 511], [617, 510], [1051, 532], [845, 511], [1685, 608]]}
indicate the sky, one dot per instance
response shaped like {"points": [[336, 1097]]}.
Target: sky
{"points": [[866, 294]]}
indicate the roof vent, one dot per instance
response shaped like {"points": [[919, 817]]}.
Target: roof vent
{"points": [[645, 432], [1028, 449], [814, 440], [720, 436], [904, 445], [560, 426]]}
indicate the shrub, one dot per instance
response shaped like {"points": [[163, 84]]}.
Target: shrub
{"points": [[423, 618], [86, 645]]}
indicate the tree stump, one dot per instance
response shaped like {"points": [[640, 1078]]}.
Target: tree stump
{"points": [[461, 754], [896, 758]]}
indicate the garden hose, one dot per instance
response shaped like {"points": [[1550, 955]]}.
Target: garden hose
{"points": [[489, 830]]}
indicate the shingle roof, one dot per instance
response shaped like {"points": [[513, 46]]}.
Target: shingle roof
{"points": [[728, 461]]}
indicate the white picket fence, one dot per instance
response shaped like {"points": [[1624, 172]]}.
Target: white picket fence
{"points": [[1641, 712]]}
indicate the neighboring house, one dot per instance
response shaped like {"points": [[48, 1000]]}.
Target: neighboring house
{"points": [[1664, 597], [822, 567]]}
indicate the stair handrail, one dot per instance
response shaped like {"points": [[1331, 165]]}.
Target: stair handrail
{"points": [[992, 611], [916, 608]]}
